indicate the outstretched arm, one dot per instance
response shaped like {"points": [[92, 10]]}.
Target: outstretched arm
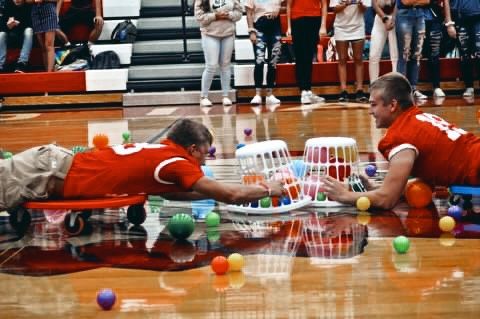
{"points": [[388, 194]]}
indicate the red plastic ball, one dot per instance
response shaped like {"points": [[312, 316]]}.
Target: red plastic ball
{"points": [[219, 265], [100, 141], [418, 194]]}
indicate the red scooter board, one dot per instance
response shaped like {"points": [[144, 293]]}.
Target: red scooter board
{"points": [[81, 210]]}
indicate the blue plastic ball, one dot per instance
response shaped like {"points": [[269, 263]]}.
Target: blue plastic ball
{"points": [[286, 200], [254, 204], [455, 212], [106, 299], [240, 145], [371, 170]]}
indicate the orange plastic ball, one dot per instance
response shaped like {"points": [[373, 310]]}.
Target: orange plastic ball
{"points": [[219, 265], [418, 194], [100, 141]]}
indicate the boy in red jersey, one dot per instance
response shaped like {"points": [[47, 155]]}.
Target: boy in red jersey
{"points": [[170, 169], [416, 143]]}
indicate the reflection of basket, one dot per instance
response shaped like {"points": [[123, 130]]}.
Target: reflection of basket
{"points": [[334, 156], [324, 248], [269, 161]]}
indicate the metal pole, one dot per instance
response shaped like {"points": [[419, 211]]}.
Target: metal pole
{"points": [[186, 57]]}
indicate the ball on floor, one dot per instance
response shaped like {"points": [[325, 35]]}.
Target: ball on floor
{"points": [[106, 298], [418, 194], [370, 170], [212, 219], [363, 203], [401, 244], [219, 265], [181, 226], [446, 223], [455, 212], [235, 262]]}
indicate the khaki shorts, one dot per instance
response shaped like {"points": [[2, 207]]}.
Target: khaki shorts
{"points": [[31, 175]]}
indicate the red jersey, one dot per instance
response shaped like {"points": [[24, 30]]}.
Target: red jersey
{"points": [[131, 169], [446, 154], [305, 8]]}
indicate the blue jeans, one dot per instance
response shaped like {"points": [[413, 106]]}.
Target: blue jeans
{"points": [[268, 39], [410, 27], [468, 35], [26, 46], [218, 53], [435, 35]]}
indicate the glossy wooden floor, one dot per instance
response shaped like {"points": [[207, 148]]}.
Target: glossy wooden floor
{"points": [[311, 263]]}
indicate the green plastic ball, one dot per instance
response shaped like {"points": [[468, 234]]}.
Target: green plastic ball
{"points": [[321, 196], [126, 136], [266, 202], [212, 219], [401, 244], [181, 226], [7, 155]]}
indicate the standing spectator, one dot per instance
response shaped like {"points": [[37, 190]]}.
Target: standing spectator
{"points": [[307, 20], [466, 23], [82, 12], [383, 28], [440, 10], [410, 27], [265, 33], [217, 24], [16, 24], [45, 22], [349, 28]]}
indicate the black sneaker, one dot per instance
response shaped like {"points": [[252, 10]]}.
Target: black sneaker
{"points": [[21, 67], [361, 97], [343, 97]]}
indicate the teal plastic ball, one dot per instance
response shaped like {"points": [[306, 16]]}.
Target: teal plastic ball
{"points": [[181, 226]]}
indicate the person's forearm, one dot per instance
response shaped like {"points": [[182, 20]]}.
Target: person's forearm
{"points": [[184, 196], [98, 8], [446, 10], [250, 18]]}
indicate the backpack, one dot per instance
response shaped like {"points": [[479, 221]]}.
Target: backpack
{"points": [[105, 60], [124, 32], [77, 52]]}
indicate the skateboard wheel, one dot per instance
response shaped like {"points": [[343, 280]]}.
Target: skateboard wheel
{"points": [[19, 219], [136, 214], [78, 224]]}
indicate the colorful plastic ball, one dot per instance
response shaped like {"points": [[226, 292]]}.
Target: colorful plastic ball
{"points": [[370, 170], [7, 155], [446, 223], [106, 298], [100, 141], [363, 203], [265, 202], [286, 200], [455, 212], [321, 196], [126, 136], [219, 265], [212, 219], [254, 204], [181, 226], [240, 145], [418, 194], [212, 150], [401, 244], [235, 262], [247, 131]]}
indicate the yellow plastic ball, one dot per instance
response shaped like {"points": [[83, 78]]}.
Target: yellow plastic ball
{"points": [[446, 223], [363, 203], [235, 262]]}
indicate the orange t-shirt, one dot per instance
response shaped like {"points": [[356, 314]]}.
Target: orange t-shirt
{"points": [[131, 169], [446, 154], [305, 8]]}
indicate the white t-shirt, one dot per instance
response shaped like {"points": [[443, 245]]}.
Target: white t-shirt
{"points": [[263, 7], [221, 5], [349, 24]]}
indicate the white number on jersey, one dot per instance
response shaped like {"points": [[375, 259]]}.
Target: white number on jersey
{"points": [[453, 132]]}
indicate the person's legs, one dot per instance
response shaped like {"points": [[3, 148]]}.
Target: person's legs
{"points": [[413, 64], [41, 43], [393, 48], [3, 49], [404, 29], [259, 50], [357, 47], [211, 52], [342, 50], [435, 34], [50, 50], [225, 58], [26, 46], [378, 38]]}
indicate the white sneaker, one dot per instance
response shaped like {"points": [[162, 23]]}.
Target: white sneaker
{"points": [[305, 98], [418, 95], [271, 100], [257, 99], [226, 101], [438, 92], [468, 92], [315, 98], [205, 102]]}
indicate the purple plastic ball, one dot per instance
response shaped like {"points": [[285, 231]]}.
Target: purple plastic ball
{"points": [[247, 131], [212, 150], [106, 298], [455, 212], [371, 170]]}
